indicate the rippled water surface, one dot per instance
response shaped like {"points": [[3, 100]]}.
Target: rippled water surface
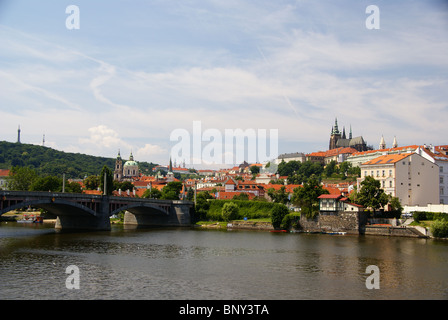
{"points": [[208, 264]]}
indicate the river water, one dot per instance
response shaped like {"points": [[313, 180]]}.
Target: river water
{"points": [[223, 265]]}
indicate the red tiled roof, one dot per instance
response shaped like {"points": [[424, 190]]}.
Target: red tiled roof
{"points": [[387, 159]]}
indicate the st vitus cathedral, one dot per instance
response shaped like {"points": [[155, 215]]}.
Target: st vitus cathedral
{"points": [[338, 139]]}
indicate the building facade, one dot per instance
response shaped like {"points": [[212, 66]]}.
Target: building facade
{"points": [[413, 179]]}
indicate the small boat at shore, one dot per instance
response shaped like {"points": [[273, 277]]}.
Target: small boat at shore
{"points": [[277, 231]]}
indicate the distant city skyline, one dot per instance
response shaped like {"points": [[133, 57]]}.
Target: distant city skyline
{"points": [[131, 75]]}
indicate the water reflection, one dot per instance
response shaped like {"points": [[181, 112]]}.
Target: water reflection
{"points": [[198, 264]]}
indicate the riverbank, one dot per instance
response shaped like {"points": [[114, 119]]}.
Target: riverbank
{"points": [[14, 216]]}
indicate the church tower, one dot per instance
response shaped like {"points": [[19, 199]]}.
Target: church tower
{"points": [[18, 135], [118, 171], [335, 135]]}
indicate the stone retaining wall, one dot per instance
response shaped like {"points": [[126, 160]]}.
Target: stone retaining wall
{"points": [[349, 222]]}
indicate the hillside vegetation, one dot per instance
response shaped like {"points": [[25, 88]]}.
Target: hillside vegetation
{"points": [[48, 161]]}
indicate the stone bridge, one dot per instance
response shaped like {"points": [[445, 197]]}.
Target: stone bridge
{"points": [[81, 211]]}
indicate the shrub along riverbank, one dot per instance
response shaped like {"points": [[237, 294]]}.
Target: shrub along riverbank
{"points": [[258, 211]]}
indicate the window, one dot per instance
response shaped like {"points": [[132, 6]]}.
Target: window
{"points": [[390, 184], [390, 173], [441, 179], [441, 169], [384, 173]]}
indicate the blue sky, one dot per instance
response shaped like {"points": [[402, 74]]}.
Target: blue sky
{"points": [[137, 70]]}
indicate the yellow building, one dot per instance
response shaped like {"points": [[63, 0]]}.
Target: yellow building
{"points": [[408, 176]]}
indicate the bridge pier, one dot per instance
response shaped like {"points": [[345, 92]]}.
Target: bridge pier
{"points": [[67, 222], [79, 221]]}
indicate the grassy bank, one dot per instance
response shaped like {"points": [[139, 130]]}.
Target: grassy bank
{"points": [[246, 209]]}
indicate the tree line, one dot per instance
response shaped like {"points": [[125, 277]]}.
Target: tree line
{"points": [[50, 162]]}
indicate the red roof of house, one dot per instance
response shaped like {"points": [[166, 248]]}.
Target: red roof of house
{"points": [[329, 196]]}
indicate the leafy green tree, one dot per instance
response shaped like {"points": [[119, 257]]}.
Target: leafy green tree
{"points": [[21, 178], [123, 185], [254, 169], [202, 205], [279, 211], [49, 183], [306, 197], [395, 204], [190, 194], [109, 180], [371, 195], [229, 211], [152, 193], [172, 190], [73, 187], [92, 182], [331, 168], [278, 196]]}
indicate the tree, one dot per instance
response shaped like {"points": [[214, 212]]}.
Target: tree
{"points": [[109, 180], [21, 178], [152, 193], [371, 195], [229, 211], [73, 187], [92, 182], [172, 190], [279, 211], [49, 183], [202, 205], [330, 168], [278, 196], [395, 204], [255, 169], [306, 197]]}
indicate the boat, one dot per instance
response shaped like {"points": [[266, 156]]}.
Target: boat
{"points": [[277, 231]]}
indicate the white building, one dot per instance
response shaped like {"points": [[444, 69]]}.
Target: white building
{"points": [[409, 176], [297, 156]]}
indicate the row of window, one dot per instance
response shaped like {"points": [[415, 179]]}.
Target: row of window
{"points": [[383, 173]]}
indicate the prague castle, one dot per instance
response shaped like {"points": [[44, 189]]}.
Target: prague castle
{"points": [[338, 139]]}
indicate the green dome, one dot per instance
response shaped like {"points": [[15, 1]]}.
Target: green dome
{"points": [[130, 163]]}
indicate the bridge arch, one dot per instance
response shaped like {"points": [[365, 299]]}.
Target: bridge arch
{"points": [[57, 206], [142, 206]]}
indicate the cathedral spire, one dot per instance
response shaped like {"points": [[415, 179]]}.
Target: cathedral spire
{"points": [[336, 129]]}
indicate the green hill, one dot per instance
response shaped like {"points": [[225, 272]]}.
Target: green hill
{"points": [[52, 162]]}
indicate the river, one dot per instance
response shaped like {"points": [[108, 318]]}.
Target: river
{"points": [[210, 264]]}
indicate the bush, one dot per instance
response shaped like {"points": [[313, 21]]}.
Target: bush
{"points": [[424, 215], [290, 220], [279, 211], [439, 228], [249, 209], [229, 211]]}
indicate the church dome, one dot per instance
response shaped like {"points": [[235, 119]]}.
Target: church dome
{"points": [[130, 163]]}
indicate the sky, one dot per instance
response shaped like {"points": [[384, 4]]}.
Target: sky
{"points": [[134, 72]]}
